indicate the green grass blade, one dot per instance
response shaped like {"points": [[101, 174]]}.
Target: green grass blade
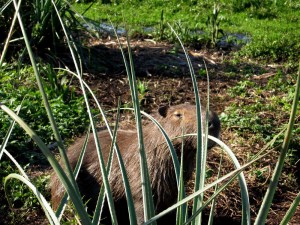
{"points": [[181, 210], [130, 203], [169, 143], [177, 166], [16, 164], [201, 149], [267, 201], [246, 218], [214, 201], [146, 188], [96, 138], [213, 197], [5, 6], [62, 205], [145, 178], [10, 129], [131, 210], [45, 205], [242, 181], [45, 99], [128, 194], [101, 197], [291, 211], [9, 33]]}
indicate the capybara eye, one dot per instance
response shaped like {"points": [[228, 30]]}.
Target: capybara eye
{"points": [[177, 114]]}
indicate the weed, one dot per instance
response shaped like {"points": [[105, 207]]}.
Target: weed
{"points": [[22, 197], [162, 26], [142, 87], [278, 82], [202, 72], [241, 89], [261, 174], [252, 112], [57, 82], [213, 24]]}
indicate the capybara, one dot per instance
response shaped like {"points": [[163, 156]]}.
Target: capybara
{"points": [[175, 120]]}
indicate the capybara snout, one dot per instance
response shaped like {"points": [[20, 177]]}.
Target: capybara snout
{"points": [[175, 120]]}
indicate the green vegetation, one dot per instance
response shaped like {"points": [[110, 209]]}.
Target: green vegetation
{"points": [[18, 87], [19, 194], [263, 115], [270, 29]]}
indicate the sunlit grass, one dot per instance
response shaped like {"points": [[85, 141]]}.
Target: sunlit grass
{"points": [[270, 35]]}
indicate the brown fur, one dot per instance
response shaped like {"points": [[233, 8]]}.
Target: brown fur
{"points": [[161, 170]]}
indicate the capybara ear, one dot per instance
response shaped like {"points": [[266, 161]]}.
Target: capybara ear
{"points": [[163, 110]]}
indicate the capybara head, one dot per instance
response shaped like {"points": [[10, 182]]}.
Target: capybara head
{"points": [[182, 118]]}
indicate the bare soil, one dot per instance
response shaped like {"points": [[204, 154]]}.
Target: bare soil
{"points": [[163, 70]]}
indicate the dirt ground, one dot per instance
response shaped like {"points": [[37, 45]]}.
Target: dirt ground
{"points": [[163, 70]]}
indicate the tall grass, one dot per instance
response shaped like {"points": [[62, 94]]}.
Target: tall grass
{"points": [[68, 177]]}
